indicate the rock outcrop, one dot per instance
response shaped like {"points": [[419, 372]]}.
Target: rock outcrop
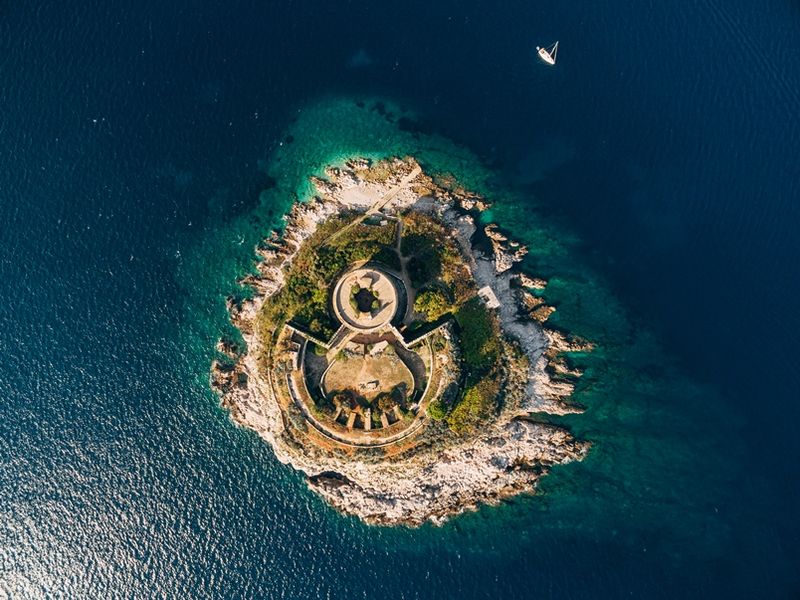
{"points": [[506, 252]]}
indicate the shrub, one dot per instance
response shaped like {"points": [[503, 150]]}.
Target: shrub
{"points": [[431, 303], [478, 338], [422, 269], [437, 410], [399, 393], [316, 327], [477, 404]]}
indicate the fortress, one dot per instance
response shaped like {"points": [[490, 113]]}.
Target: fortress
{"points": [[368, 384]]}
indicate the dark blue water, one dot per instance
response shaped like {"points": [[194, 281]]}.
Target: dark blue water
{"points": [[653, 173]]}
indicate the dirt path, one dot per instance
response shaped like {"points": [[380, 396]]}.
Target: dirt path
{"points": [[379, 204]]}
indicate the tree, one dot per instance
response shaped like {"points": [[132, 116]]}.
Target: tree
{"points": [[315, 327], [478, 338], [476, 405], [432, 303], [437, 410]]}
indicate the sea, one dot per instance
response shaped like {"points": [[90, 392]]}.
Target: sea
{"points": [[146, 147]]}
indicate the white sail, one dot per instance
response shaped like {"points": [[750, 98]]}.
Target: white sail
{"points": [[548, 55]]}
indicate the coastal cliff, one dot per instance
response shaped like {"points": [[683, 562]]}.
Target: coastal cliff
{"points": [[435, 473]]}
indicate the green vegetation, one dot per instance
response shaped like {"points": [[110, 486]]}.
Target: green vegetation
{"points": [[434, 257], [323, 407], [422, 242], [432, 303], [304, 298], [480, 339], [481, 353], [478, 403], [436, 263], [437, 409], [399, 394]]}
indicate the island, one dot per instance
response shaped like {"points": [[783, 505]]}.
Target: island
{"points": [[394, 352]]}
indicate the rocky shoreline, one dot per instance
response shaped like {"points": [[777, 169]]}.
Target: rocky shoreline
{"points": [[442, 474]]}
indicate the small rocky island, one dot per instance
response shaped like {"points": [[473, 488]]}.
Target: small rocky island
{"points": [[395, 354]]}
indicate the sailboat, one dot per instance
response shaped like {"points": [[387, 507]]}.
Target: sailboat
{"points": [[548, 55]]}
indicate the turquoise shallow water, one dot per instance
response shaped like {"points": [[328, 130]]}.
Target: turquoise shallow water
{"points": [[147, 148]]}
